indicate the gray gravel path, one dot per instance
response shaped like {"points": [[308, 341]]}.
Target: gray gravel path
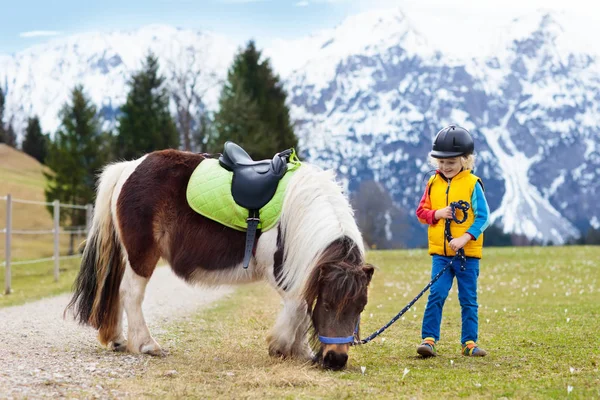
{"points": [[43, 355]]}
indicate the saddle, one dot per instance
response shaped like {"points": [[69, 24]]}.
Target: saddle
{"points": [[254, 182], [253, 185]]}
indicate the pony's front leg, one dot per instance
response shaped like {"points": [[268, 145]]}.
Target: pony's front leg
{"points": [[132, 292], [288, 335]]}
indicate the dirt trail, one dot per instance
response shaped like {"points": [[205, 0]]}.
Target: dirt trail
{"points": [[42, 355]]}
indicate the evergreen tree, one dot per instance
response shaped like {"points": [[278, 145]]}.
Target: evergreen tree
{"points": [[7, 132], [10, 136], [252, 110], [75, 157], [146, 124], [592, 236], [2, 131], [35, 143]]}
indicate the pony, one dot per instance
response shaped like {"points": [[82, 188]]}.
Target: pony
{"points": [[313, 257]]}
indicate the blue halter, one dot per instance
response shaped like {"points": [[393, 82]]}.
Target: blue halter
{"points": [[342, 339]]}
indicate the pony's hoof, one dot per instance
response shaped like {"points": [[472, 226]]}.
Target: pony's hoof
{"points": [[276, 353], [153, 351], [119, 346], [159, 353]]}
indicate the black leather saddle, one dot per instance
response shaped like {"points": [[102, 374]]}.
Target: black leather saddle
{"points": [[254, 184]]}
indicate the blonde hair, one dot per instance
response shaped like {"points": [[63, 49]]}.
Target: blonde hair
{"points": [[467, 162]]}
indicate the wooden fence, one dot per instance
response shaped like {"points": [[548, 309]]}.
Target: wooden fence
{"points": [[56, 231]]}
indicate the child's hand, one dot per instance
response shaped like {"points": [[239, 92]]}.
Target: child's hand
{"points": [[460, 242], [445, 213]]}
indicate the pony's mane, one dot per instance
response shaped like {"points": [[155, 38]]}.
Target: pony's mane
{"points": [[315, 214]]}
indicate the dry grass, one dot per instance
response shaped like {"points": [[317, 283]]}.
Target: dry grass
{"points": [[222, 353], [539, 313]]}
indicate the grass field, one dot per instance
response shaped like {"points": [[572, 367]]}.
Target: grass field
{"points": [[539, 320]]}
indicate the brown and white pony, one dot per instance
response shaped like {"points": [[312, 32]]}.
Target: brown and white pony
{"points": [[314, 257]]}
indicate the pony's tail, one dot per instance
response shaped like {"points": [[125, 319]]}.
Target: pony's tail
{"points": [[95, 299]]}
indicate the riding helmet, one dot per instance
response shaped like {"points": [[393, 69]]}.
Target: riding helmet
{"points": [[452, 141]]}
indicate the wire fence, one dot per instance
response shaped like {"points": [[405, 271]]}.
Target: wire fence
{"points": [[56, 231]]}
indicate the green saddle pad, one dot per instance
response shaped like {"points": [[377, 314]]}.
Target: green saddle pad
{"points": [[209, 194]]}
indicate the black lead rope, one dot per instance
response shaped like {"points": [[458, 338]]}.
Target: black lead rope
{"points": [[460, 255], [464, 207]]}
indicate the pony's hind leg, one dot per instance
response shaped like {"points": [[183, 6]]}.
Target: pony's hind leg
{"points": [[118, 341], [139, 339], [288, 335]]}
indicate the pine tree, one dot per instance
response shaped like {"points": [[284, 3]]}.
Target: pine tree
{"points": [[75, 157], [7, 132], [10, 136], [146, 124], [2, 131], [35, 143], [252, 110]]}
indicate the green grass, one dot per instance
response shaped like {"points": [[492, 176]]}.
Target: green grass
{"points": [[526, 296], [35, 281]]}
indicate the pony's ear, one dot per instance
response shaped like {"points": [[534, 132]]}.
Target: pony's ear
{"points": [[368, 269]]}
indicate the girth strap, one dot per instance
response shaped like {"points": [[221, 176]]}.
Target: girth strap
{"points": [[253, 221]]}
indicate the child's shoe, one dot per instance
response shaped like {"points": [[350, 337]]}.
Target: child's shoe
{"points": [[470, 349], [427, 348]]}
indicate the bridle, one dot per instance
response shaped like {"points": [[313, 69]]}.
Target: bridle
{"points": [[342, 339]]}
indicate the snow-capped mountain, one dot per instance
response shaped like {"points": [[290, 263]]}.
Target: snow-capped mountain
{"points": [[39, 79], [530, 101], [369, 95]]}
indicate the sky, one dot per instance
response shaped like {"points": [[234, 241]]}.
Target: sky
{"points": [[24, 23]]}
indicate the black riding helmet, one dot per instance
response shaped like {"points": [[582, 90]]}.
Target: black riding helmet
{"points": [[452, 141]]}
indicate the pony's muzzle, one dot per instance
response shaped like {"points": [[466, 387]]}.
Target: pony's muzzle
{"points": [[336, 356]]}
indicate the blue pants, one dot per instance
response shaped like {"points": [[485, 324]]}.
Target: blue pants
{"points": [[467, 296]]}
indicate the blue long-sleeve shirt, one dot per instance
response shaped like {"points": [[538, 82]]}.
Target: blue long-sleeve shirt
{"points": [[481, 211]]}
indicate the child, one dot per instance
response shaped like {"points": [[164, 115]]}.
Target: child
{"points": [[453, 181]]}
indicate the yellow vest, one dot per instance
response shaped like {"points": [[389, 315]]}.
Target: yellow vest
{"points": [[441, 194]]}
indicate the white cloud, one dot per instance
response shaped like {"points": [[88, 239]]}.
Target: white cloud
{"points": [[31, 34], [302, 3]]}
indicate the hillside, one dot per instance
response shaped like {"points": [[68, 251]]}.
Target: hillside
{"points": [[21, 176]]}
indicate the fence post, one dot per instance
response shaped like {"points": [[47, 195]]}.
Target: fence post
{"points": [[7, 274], [56, 238], [88, 218]]}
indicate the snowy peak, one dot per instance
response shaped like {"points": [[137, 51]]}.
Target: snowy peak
{"points": [[529, 105], [365, 34], [39, 80]]}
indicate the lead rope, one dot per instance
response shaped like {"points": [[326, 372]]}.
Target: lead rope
{"points": [[460, 255]]}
